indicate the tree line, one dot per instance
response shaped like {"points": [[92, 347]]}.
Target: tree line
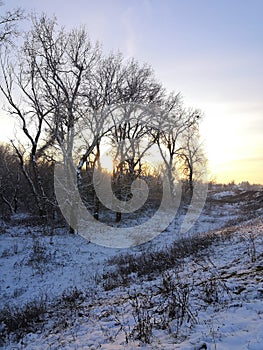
{"points": [[70, 100]]}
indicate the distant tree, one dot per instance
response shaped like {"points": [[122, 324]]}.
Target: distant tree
{"points": [[10, 181], [172, 123], [192, 156]]}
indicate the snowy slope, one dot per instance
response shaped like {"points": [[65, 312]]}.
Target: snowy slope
{"points": [[219, 289]]}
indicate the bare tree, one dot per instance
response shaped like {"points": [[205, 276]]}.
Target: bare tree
{"points": [[8, 24], [100, 91], [22, 78], [64, 61], [140, 84], [172, 123], [193, 160], [131, 132]]}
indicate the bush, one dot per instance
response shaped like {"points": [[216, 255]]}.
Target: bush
{"points": [[40, 256], [143, 317], [22, 320], [152, 263], [165, 306]]}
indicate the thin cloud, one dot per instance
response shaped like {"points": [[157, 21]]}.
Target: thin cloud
{"points": [[129, 30], [258, 160]]}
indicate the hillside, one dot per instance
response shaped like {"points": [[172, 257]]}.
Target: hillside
{"points": [[202, 291]]}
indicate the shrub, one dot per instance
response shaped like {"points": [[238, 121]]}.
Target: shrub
{"points": [[24, 319], [152, 263]]}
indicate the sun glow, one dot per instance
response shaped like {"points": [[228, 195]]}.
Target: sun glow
{"points": [[234, 152], [106, 162]]}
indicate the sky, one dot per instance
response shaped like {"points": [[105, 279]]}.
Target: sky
{"points": [[211, 51]]}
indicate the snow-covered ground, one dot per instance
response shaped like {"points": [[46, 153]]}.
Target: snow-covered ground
{"points": [[223, 194], [85, 298]]}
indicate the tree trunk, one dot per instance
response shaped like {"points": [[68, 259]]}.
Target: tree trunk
{"points": [[96, 209], [118, 216]]}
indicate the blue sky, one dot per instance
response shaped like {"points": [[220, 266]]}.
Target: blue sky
{"points": [[210, 50]]}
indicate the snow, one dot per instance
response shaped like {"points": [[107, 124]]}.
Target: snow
{"points": [[223, 194], [67, 261], [39, 264]]}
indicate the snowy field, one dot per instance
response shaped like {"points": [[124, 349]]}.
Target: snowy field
{"points": [[203, 291]]}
